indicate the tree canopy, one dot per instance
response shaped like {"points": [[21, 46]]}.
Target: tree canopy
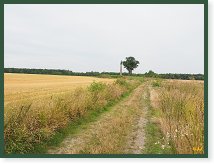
{"points": [[130, 64]]}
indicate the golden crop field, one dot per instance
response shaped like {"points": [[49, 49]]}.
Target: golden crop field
{"points": [[19, 87], [38, 106]]}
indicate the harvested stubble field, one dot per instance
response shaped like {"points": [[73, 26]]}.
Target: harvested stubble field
{"points": [[19, 87]]}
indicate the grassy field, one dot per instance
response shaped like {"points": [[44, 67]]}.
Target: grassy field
{"points": [[76, 114], [177, 112]]}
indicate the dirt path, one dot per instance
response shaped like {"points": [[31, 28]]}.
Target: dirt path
{"points": [[120, 130], [136, 139]]}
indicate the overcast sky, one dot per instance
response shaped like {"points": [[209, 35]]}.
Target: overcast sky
{"points": [[164, 38]]}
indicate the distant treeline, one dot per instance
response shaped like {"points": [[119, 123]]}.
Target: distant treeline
{"points": [[49, 71], [103, 74], [57, 72], [175, 76]]}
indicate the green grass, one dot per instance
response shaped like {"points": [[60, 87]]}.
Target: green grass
{"points": [[157, 83], [75, 127], [156, 142]]}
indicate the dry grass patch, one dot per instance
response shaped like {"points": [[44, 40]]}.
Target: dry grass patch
{"points": [[181, 114]]}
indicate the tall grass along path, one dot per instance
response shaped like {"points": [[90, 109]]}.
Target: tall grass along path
{"points": [[120, 130]]}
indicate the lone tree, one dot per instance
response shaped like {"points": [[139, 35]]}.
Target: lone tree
{"points": [[130, 63]]}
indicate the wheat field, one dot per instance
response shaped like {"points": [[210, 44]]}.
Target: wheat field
{"points": [[19, 87], [38, 106]]}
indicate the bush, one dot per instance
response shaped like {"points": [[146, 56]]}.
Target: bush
{"points": [[156, 83]]}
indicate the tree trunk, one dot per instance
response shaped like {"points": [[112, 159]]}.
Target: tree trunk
{"points": [[130, 72]]}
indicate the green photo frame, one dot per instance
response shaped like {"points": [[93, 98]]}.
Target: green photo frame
{"points": [[204, 2]]}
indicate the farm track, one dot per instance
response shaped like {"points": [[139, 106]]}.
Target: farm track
{"points": [[120, 130], [136, 138]]}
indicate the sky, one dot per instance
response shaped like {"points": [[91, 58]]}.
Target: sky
{"points": [[165, 38]]}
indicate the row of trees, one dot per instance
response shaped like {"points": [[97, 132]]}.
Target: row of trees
{"points": [[131, 63], [49, 71], [102, 74], [175, 76]]}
